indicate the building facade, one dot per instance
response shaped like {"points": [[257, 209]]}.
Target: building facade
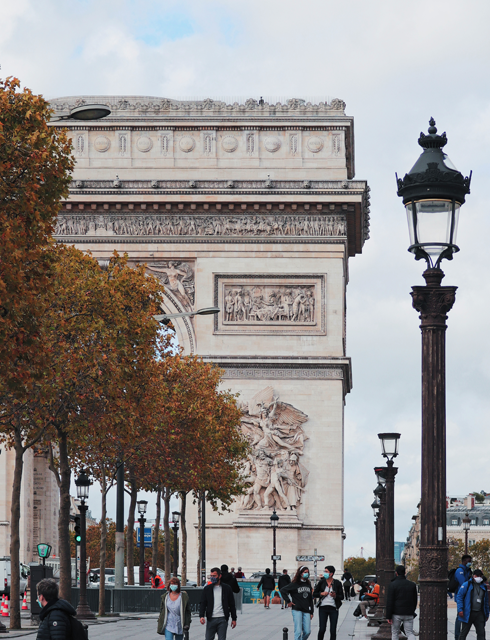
{"points": [[253, 208]]}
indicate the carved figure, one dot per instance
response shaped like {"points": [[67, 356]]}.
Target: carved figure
{"points": [[274, 475], [179, 280], [269, 303]]}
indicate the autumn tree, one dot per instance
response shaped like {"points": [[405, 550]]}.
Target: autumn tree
{"points": [[360, 567], [35, 164]]}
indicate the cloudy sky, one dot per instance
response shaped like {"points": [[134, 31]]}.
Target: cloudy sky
{"points": [[395, 64]]}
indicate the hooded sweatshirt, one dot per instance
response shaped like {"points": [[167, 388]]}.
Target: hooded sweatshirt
{"points": [[300, 593]]}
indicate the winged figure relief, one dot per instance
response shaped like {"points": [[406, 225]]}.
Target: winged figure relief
{"points": [[274, 474]]}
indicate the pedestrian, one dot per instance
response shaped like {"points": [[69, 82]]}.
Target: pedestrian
{"points": [[369, 599], [462, 575], [299, 597], [331, 594], [232, 571], [156, 581], [283, 580], [472, 603], [401, 603], [239, 574], [357, 588], [347, 581], [217, 604], [268, 585], [229, 579], [56, 614], [175, 612]]}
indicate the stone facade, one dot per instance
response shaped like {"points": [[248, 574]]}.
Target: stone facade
{"points": [[254, 208]]}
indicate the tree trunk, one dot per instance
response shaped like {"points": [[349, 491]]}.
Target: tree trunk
{"points": [[166, 530], [64, 518], [103, 546], [183, 537], [156, 532], [130, 531], [15, 534], [199, 538]]}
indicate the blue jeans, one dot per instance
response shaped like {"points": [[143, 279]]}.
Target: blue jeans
{"points": [[170, 636], [302, 625]]}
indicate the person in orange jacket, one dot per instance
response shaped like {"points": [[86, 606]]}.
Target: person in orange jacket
{"points": [[369, 599], [156, 581]]}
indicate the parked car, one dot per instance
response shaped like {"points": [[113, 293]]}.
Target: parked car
{"points": [[5, 575], [367, 579]]}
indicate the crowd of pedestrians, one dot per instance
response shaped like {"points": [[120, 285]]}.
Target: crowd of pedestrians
{"points": [[471, 593]]}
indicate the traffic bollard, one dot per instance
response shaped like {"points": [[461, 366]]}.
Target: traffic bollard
{"points": [[85, 627], [285, 632], [186, 634]]}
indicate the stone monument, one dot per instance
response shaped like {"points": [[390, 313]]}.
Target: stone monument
{"points": [[251, 207]]}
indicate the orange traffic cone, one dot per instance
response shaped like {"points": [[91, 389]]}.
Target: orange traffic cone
{"points": [[5, 610], [24, 602], [2, 606]]}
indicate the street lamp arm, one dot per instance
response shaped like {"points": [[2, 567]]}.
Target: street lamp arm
{"points": [[187, 314]]}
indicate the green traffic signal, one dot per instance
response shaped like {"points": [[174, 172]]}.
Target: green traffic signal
{"points": [[78, 537]]}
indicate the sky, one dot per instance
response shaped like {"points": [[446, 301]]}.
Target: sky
{"points": [[395, 64]]}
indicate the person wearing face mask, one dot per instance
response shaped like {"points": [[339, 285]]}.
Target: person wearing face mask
{"points": [[461, 575], [55, 617], [331, 594], [217, 603], [298, 596], [175, 612], [472, 603]]}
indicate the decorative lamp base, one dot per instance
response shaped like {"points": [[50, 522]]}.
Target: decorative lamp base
{"points": [[84, 612]]}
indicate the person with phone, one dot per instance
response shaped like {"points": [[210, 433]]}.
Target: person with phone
{"points": [[331, 594]]}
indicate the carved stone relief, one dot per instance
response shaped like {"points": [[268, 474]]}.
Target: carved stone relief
{"points": [[315, 144], [337, 144], [272, 144], [275, 476], [229, 144], [178, 278], [144, 144], [102, 144], [187, 144], [269, 304], [218, 225]]}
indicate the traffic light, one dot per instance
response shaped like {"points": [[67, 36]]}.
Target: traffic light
{"points": [[78, 537]]}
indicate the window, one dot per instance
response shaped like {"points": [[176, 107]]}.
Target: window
{"points": [[486, 521], [471, 542], [454, 522], [473, 521]]}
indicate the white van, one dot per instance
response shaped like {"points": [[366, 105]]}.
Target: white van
{"points": [[5, 574]]}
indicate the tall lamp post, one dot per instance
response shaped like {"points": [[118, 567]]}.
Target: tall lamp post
{"points": [[175, 520], [142, 504], [433, 192], [274, 523], [83, 484], [466, 527]]}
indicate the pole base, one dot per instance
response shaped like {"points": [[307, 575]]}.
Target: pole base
{"points": [[3, 628], [84, 612]]}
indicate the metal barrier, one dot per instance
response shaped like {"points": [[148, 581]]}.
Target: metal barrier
{"points": [[92, 599]]}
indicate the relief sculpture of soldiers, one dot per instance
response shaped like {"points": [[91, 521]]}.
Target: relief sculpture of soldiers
{"points": [[275, 477], [270, 304]]}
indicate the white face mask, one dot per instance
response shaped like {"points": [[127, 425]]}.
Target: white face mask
{"points": [[478, 579]]}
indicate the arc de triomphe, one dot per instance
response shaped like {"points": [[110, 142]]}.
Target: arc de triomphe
{"points": [[254, 208]]}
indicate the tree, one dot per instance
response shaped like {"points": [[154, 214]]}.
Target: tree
{"points": [[35, 163], [360, 567]]}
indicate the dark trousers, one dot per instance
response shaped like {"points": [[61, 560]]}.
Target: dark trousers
{"points": [[478, 619], [216, 626], [324, 614], [347, 588]]}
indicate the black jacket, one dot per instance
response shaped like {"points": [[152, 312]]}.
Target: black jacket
{"points": [[207, 602], [284, 579], [267, 582], [230, 580], [54, 620], [348, 576], [402, 597], [300, 595], [337, 587]]}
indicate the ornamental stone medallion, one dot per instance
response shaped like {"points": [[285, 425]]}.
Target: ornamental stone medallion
{"points": [[252, 207]]}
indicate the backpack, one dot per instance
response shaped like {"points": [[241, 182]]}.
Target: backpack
{"points": [[453, 583], [78, 631]]}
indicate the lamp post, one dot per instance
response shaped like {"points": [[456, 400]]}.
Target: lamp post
{"points": [[433, 192], [375, 507], [175, 520], [274, 523], [142, 504], [86, 112], [466, 528], [386, 477], [83, 484]]}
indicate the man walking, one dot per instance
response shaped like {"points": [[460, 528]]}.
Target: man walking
{"points": [[283, 580], [401, 603], [217, 603], [56, 614], [229, 579], [473, 608], [462, 575]]}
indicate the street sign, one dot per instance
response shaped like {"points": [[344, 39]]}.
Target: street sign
{"points": [[275, 557], [310, 558], [147, 537]]}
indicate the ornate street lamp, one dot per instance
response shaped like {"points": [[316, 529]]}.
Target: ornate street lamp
{"points": [[83, 485], [389, 445], [86, 112], [175, 520], [466, 528], [142, 504], [274, 523], [433, 192]]}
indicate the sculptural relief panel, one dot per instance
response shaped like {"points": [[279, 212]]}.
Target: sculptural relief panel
{"points": [[178, 278], [274, 474], [288, 304]]}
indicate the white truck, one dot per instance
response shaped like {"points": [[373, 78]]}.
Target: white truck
{"points": [[5, 575]]}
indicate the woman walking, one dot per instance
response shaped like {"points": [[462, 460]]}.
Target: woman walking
{"points": [[175, 612], [298, 595], [331, 594], [268, 585]]}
